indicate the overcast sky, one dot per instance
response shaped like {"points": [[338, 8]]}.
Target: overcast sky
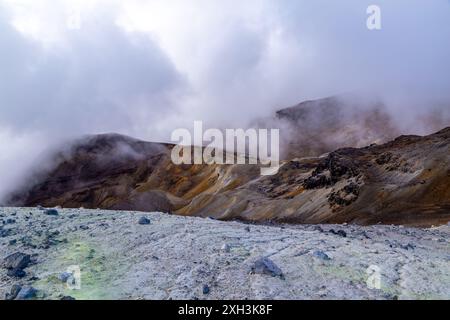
{"points": [[143, 67]]}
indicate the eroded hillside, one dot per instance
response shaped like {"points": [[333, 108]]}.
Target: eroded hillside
{"points": [[405, 181]]}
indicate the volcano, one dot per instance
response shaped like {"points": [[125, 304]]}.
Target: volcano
{"points": [[403, 180]]}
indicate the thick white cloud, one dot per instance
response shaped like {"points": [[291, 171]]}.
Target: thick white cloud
{"points": [[145, 67]]}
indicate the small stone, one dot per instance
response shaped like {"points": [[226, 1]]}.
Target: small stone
{"points": [[68, 298], [409, 246], [341, 233], [83, 227], [226, 247], [51, 212], [26, 293], [144, 221], [12, 242], [206, 289], [39, 207], [247, 229], [267, 266], [10, 221], [321, 255]]}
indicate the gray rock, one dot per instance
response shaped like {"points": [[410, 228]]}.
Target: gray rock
{"points": [[409, 246], [268, 267], [206, 289], [144, 221], [5, 233], [17, 260], [68, 298], [16, 273], [226, 247], [15, 289], [321, 255], [341, 233], [51, 212], [26, 293]]}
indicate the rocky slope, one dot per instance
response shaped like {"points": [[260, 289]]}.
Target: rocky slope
{"points": [[132, 255], [405, 181]]}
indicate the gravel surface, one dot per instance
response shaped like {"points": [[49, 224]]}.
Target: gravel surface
{"points": [[134, 255]]}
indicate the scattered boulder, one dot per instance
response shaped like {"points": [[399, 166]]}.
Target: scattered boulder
{"points": [[50, 239], [26, 293], [51, 212], [268, 267], [408, 246], [206, 289], [144, 221], [16, 273], [15, 289], [5, 232], [341, 233], [68, 298], [17, 260], [15, 263]]}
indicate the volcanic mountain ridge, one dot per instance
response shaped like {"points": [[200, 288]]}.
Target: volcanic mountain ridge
{"points": [[403, 181]]}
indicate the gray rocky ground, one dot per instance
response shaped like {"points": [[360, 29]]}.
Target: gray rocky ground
{"points": [[120, 255]]}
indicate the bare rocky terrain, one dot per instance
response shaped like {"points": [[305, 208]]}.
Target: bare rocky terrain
{"points": [[356, 211], [404, 181], [136, 255]]}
